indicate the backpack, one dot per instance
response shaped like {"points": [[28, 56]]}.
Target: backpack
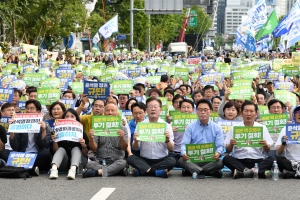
{"points": [[14, 172]]}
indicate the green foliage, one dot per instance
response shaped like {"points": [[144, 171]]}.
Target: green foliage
{"points": [[204, 22]]}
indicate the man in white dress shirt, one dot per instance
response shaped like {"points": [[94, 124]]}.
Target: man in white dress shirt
{"points": [[153, 159], [244, 158]]}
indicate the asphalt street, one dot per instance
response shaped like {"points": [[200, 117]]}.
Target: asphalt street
{"points": [[144, 188]]}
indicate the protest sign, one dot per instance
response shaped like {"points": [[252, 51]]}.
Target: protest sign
{"points": [[194, 60], [182, 72], [153, 79], [274, 122], [240, 92], [106, 125], [21, 159], [96, 90], [214, 116], [273, 76], [107, 78], [4, 122], [207, 67], [26, 123], [47, 96], [248, 136], [263, 109], [285, 96], [242, 82], [28, 69], [53, 82], [226, 125], [289, 86], [182, 120], [46, 64], [164, 112], [122, 86], [7, 79], [207, 79], [77, 87], [65, 73], [69, 103], [151, 132], [68, 129], [290, 70], [19, 84], [22, 105], [293, 134], [200, 152], [34, 79], [127, 114], [6, 95], [133, 73], [296, 59]]}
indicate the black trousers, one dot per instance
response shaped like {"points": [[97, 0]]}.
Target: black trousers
{"points": [[284, 163], [43, 159], [143, 164], [240, 164], [176, 156]]}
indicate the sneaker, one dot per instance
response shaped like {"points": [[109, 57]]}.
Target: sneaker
{"points": [[162, 173], [88, 173], [248, 173], [218, 174], [185, 172], [135, 172], [2, 163], [124, 172], [237, 174], [71, 174], [288, 174], [53, 174], [36, 171]]}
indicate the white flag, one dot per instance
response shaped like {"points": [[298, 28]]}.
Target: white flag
{"points": [[96, 38], [109, 27]]}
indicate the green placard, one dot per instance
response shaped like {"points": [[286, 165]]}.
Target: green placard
{"points": [[200, 152], [242, 82], [214, 116], [47, 96], [274, 122], [285, 96], [182, 120], [34, 79], [96, 72], [182, 72], [153, 79], [112, 71], [122, 86], [164, 100], [164, 112], [174, 112], [263, 109], [77, 87], [107, 78], [248, 136], [240, 92], [53, 82], [106, 125], [151, 132], [247, 74], [290, 70]]}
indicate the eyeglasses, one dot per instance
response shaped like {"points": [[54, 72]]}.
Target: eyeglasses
{"points": [[155, 106], [203, 110]]}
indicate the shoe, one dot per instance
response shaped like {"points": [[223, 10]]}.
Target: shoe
{"points": [[53, 174], [218, 174], [288, 174], [2, 163], [71, 174], [237, 174], [185, 172], [162, 173], [88, 173], [248, 173], [36, 171], [124, 172], [135, 172], [268, 174]]}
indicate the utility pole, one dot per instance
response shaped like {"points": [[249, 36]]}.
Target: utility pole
{"points": [[131, 24]]}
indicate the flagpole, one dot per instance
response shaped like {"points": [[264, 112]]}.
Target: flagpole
{"points": [[131, 24]]}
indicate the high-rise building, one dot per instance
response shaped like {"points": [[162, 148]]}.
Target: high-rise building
{"points": [[220, 17], [289, 5]]}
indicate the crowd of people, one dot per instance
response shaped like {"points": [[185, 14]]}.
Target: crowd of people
{"points": [[144, 101]]}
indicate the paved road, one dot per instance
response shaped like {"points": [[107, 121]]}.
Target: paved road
{"points": [[144, 188]]}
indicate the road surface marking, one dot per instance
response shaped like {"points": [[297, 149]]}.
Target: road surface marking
{"points": [[103, 194]]}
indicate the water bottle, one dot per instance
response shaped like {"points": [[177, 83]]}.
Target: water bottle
{"points": [[79, 168], [255, 174], [275, 173], [194, 176], [104, 169], [272, 170]]}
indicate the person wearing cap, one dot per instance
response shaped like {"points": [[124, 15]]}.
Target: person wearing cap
{"points": [[242, 162], [292, 151], [154, 92], [203, 131]]}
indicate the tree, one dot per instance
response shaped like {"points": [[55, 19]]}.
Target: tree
{"points": [[204, 22], [219, 41]]}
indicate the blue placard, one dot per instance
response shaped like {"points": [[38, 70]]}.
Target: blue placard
{"points": [[127, 114], [133, 73], [263, 73], [65, 73], [207, 66], [69, 103], [4, 122], [208, 79], [64, 83], [21, 105], [161, 73], [293, 134], [50, 124], [8, 79], [28, 68], [265, 67], [21, 159], [272, 76], [6, 95], [96, 90], [65, 66], [289, 86], [46, 64], [19, 84]]}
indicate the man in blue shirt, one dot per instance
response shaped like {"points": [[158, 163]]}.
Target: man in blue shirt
{"points": [[200, 132]]}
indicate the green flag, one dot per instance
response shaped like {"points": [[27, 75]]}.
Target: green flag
{"points": [[268, 27]]}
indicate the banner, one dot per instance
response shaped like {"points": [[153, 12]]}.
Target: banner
{"points": [[47, 96], [200, 152], [26, 123], [68, 129], [248, 136], [151, 132], [258, 15], [109, 27], [107, 126], [122, 86], [21, 159], [96, 90], [182, 120], [293, 134], [268, 27]]}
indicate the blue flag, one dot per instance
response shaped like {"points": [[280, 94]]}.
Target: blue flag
{"points": [[281, 28], [251, 44]]}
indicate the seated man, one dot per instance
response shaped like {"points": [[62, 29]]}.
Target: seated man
{"points": [[34, 142], [244, 158], [292, 151], [153, 159], [112, 149], [200, 132]]}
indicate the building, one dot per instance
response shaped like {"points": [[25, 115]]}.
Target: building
{"points": [[220, 17], [289, 5]]}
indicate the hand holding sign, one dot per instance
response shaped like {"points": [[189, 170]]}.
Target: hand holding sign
{"points": [[216, 156], [135, 137], [167, 136], [185, 157]]}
